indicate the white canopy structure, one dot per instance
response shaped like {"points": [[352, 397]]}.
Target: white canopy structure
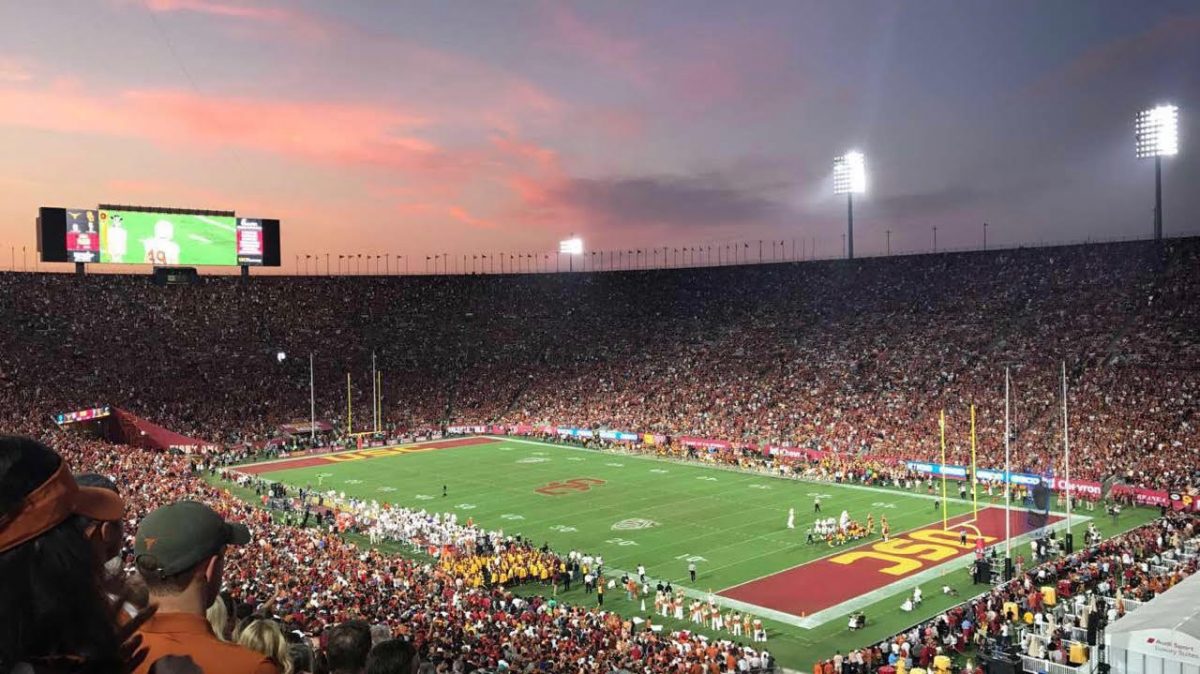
{"points": [[1161, 637]]}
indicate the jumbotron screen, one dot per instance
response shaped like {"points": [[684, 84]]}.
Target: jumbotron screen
{"points": [[167, 238], [159, 237]]}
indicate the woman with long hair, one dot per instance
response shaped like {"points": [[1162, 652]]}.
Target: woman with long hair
{"points": [[266, 637], [56, 616]]}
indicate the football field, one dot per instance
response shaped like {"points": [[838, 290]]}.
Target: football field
{"points": [[636, 510]]}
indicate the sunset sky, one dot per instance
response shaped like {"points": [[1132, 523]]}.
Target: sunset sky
{"points": [[505, 125]]}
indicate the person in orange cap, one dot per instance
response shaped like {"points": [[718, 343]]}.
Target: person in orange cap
{"points": [[180, 551]]}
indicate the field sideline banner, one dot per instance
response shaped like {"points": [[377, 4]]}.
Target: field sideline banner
{"points": [[794, 452], [688, 441]]}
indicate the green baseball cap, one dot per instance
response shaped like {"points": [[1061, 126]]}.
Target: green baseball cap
{"points": [[175, 537]]}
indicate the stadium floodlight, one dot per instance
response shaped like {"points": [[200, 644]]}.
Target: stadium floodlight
{"points": [[850, 178], [850, 173], [571, 247], [1156, 134]]}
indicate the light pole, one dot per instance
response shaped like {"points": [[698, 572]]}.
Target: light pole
{"points": [[312, 402], [1156, 133], [850, 178], [889, 242], [935, 238], [985, 236]]}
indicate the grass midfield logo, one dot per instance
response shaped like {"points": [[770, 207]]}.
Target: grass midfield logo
{"points": [[575, 484], [634, 523]]}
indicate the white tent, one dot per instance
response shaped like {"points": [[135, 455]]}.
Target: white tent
{"points": [[1161, 637]]}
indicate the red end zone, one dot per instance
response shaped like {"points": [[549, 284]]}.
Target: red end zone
{"points": [[827, 582], [376, 452]]}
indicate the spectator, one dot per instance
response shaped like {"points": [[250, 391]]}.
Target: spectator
{"points": [[180, 552], [106, 536], [302, 658], [379, 634], [393, 656], [265, 636], [348, 646], [47, 564], [218, 617]]}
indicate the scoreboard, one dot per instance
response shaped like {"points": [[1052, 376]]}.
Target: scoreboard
{"points": [[156, 236]]}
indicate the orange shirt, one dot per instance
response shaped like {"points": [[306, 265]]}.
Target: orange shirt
{"points": [[187, 634]]}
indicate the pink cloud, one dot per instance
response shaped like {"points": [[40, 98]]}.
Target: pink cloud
{"points": [[355, 135], [618, 124], [331, 133], [301, 22], [462, 215], [510, 145], [708, 65], [1101, 60], [14, 70], [504, 100], [614, 52]]}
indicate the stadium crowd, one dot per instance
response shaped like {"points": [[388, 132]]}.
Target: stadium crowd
{"points": [[856, 358], [849, 358]]}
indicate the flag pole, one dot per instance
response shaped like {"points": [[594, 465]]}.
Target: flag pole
{"points": [[1066, 448], [312, 402], [374, 396], [379, 399], [1007, 477], [349, 414], [945, 509], [974, 479]]}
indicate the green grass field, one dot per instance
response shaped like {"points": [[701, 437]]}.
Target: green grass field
{"points": [[653, 512]]}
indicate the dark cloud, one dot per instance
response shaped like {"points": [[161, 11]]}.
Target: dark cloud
{"points": [[925, 204], [695, 201]]}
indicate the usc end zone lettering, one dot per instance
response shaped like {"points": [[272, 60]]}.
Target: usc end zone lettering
{"points": [[575, 484], [910, 551], [368, 453]]}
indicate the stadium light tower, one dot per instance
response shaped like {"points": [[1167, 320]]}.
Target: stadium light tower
{"points": [[850, 178], [1157, 135], [571, 247]]}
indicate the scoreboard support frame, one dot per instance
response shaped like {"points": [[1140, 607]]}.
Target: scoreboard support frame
{"points": [[79, 269], [245, 270]]}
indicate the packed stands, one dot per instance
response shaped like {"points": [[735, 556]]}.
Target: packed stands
{"points": [[849, 358], [852, 357]]}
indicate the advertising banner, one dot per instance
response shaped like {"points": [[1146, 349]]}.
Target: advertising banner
{"points": [[575, 432], [704, 442], [794, 453], [81, 415], [1086, 488]]}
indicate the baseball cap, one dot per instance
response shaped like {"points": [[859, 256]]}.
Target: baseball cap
{"points": [[175, 537], [54, 500]]}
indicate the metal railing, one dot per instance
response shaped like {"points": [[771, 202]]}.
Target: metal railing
{"points": [[723, 253]]}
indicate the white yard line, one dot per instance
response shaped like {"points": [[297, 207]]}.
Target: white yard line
{"points": [[808, 622], [742, 471], [825, 615]]}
